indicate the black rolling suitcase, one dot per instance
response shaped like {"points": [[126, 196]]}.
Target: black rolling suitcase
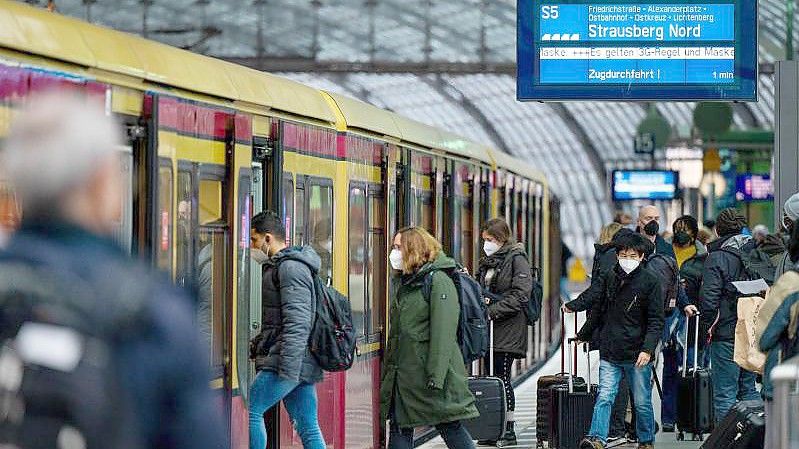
{"points": [[743, 427], [570, 411], [544, 387], [695, 414], [489, 395]]}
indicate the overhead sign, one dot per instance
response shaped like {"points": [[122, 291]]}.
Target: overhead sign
{"points": [[620, 50], [751, 187], [644, 185]]}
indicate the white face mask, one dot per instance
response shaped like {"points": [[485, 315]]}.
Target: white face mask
{"points": [[395, 257], [490, 247], [258, 256], [628, 265]]}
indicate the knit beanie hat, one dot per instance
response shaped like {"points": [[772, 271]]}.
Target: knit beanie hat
{"points": [[791, 207], [730, 222]]}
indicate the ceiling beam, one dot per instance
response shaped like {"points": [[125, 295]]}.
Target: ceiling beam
{"points": [[300, 64]]}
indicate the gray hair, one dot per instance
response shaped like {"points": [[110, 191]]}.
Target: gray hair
{"points": [[54, 146]]}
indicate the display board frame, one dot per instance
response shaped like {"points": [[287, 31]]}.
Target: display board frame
{"points": [[529, 87]]}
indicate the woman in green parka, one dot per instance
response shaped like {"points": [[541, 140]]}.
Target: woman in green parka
{"points": [[424, 378]]}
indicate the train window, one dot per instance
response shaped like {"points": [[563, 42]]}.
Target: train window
{"points": [[123, 234], [288, 207], [185, 229], [521, 222], [422, 181], [319, 204], [164, 219], [212, 263], [357, 256], [243, 281], [377, 258], [464, 191], [10, 213]]}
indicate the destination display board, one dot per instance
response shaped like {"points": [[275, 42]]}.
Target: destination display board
{"points": [[615, 50], [644, 185], [753, 187]]}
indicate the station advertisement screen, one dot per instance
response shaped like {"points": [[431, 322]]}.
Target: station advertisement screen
{"points": [[622, 50], [751, 187], [644, 185]]}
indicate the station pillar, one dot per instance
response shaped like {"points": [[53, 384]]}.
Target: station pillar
{"points": [[786, 135]]}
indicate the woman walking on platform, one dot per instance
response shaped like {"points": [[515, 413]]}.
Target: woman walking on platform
{"points": [[507, 282], [424, 379]]}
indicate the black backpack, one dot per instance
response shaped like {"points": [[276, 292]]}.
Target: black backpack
{"points": [[666, 268], [533, 306], [473, 320], [332, 340], [58, 379], [756, 264]]}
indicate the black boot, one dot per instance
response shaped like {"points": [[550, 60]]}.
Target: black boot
{"points": [[509, 437]]}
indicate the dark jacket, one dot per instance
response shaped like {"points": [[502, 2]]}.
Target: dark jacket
{"points": [[776, 325], [164, 370], [604, 259], [288, 311], [423, 375], [629, 313], [719, 304], [691, 273], [507, 280], [663, 247]]}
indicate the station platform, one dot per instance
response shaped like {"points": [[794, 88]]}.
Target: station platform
{"points": [[526, 402]]}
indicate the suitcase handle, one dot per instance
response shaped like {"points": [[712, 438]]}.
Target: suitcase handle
{"points": [[696, 347], [573, 356]]}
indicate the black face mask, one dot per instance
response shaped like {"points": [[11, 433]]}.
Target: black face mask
{"points": [[651, 229], [681, 238]]}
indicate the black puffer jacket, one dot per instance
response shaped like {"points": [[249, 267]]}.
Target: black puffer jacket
{"points": [[507, 279], [604, 259], [719, 299], [288, 311], [629, 314]]}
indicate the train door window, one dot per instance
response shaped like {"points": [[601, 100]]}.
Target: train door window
{"points": [[521, 206], [464, 191], [532, 223], [376, 285], [422, 183], [212, 264], [123, 234], [243, 280], [164, 238], [357, 256], [185, 228], [319, 204], [288, 207], [10, 212]]}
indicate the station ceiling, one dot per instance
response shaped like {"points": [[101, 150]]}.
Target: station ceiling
{"points": [[338, 45]]}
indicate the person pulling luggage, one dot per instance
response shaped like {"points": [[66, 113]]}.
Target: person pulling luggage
{"points": [[630, 316], [424, 377], [506, 278]]}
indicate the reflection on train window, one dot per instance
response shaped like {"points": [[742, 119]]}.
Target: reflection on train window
{"points": [[319, 200], [464, 188], [10, 212], [357, 257], [299, 215], [123, 233], [164, 220], [212, 266], [288, 207], [185, 229], [376, 283], [243, 280]]}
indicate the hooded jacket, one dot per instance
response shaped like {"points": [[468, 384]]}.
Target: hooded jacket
{"points": [[507, 280], [719, 303], [423, 378], [288, 311], [604, 259], [628, 314]]}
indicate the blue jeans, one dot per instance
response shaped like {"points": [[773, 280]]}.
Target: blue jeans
{"points": [[300, 400], [641, 384], [453, 433], [730, 382], [672, 365]]}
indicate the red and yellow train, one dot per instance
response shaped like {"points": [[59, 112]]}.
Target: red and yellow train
{"points": [[210, 143]]}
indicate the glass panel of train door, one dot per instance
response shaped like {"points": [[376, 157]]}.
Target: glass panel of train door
{"points": [[244, 209], [319, 204], [184, 240], [163, 241], [422, 185], [357, 257], [464, 191]]}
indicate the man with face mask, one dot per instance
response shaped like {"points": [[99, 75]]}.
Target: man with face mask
{"points": [[649, 227], [287, 371], [629, 314]]}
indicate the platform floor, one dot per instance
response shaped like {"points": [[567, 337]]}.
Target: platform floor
{"points": [[526, 403]]}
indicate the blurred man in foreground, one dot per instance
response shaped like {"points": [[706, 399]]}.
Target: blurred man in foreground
{"points": [[124, 364]]}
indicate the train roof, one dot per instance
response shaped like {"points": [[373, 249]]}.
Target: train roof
{"points": [[513, 165], [37, 31]]}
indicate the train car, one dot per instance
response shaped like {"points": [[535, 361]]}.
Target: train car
{"points": [[210, 143]]}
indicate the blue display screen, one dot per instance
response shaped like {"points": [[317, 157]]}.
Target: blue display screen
{"points": [[644, 185], [569, 50], [749, 187]]}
